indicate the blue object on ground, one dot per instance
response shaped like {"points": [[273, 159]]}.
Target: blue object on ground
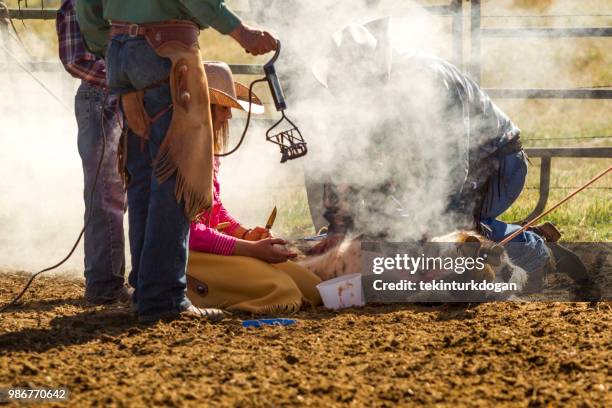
{"points": [[267, 322]]}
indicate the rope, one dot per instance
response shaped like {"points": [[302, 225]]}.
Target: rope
{"points": [[21, 43], [38, 81], [6, 15], [24, 26], [553, 208], [567, 188], [248, 121], [20, 14], [87, 218]]}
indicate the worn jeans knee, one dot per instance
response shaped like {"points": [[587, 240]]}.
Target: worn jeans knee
{"points": [[504, 190]]}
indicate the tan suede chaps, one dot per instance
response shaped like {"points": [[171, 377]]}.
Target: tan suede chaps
{"points": [[187, 149]]}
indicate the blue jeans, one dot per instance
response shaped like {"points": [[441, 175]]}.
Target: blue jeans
{"points": [[158, 226], [528, 249], [104, 241]]}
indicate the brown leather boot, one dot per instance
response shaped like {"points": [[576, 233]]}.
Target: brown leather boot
{"points": [[210, 314], [123, 296], [547, 231]]}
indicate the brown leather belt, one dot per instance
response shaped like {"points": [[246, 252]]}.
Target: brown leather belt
{"points": [[157, 33]]}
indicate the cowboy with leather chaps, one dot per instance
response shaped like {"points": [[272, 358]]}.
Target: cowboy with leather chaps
{"points": [[433, 120], [154, 62]]}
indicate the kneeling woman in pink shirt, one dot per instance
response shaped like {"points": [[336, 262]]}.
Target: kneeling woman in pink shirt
{"points": [[233, 267]]}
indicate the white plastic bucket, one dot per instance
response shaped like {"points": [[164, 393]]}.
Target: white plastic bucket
{"points": [[341, 292]]}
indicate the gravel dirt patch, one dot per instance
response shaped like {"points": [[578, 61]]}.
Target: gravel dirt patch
{"points": [[502, 354]]}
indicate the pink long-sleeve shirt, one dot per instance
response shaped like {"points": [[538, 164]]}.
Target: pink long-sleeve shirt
{"points": [[203, 236]]}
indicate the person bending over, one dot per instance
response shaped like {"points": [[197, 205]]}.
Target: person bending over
{"points": [[434, 133]]}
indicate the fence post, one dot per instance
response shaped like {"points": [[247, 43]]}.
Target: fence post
{"points": [[4, 32], [457, 9], [544, 190], [475, 22]]}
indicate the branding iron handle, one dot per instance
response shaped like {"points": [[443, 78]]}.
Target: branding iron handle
{"points": [[275, 87]]}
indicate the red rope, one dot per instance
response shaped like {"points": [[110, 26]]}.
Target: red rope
{"points": [[554, 207]]}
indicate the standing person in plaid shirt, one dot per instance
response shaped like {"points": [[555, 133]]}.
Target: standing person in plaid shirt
{"points": [[104, 239]]}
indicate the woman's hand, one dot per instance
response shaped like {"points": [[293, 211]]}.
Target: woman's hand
{"points": [[265, 250], [257, 234]]}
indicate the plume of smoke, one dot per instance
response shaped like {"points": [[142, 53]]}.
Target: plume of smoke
{"points": [[41, 210], [352, 130], [341, 127], [42, 205]]}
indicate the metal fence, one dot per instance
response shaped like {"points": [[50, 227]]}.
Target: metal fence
{"points": [[456, 10], [478, 33]]}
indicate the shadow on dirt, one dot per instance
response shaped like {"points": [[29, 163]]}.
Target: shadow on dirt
{"points": [[108, 325], [443, 311], [69, 330], [46, 305]]}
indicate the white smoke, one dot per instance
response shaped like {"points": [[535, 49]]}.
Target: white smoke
{"points": [[41, 211], [41, 206], [341, 127]]}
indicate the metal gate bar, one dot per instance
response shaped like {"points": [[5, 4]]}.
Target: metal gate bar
{"points": [[478, 32], [33, 14], [587, 93], [547, 32], [52, 66], [455, 10], [546, 154]]}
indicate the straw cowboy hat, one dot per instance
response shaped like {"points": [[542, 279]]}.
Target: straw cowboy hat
{"points": [[361, 52], [224, 91]]}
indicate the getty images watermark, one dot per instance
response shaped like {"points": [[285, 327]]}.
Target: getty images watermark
{"points": [[475, 272], [432, 266]]}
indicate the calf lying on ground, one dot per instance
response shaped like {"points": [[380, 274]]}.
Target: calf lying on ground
{"points": [[348, 258]]}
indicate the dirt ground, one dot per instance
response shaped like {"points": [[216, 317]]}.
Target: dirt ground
{"points": [[502, 354]]}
